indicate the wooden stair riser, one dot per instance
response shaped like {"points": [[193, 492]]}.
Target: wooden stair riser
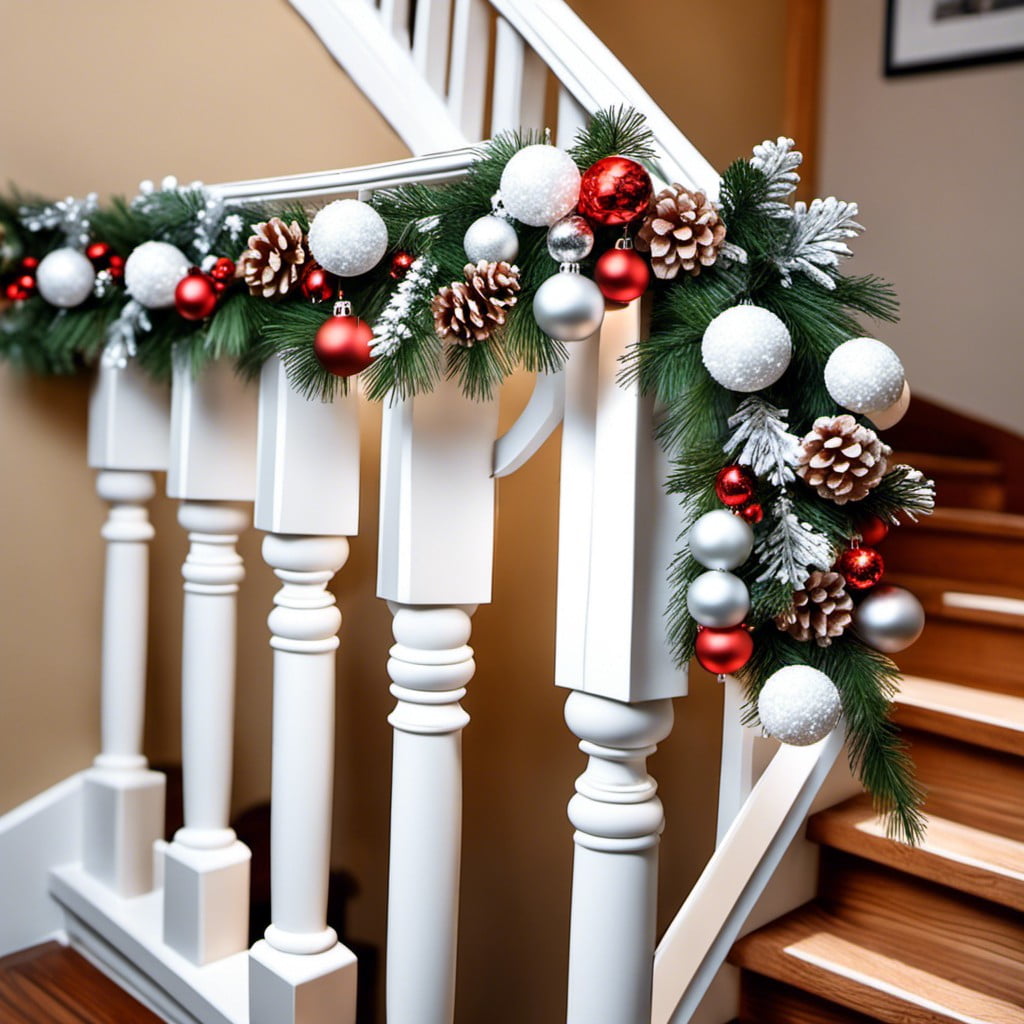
{"points": [[961, 482], [764, 1001]]}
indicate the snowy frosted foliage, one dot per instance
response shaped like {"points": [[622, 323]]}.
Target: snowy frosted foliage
{"points": [[778, 162], [70, 215], [391, 329], [791, 549], [816, 240], [917, 492], [762, 441]]}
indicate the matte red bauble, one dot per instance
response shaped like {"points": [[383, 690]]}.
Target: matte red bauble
{"points": [[622, 274], [872, 530], [400, 264], [343, 345], [614, 191], [862, 567], [195, 298], [724, 650], [319, 285], [735, 485], [752, 513]]}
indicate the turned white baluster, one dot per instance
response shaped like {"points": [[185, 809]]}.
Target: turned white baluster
{"points": [[618, 819]]}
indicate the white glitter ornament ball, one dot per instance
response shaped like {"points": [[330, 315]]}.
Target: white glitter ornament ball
{"points": [[746, 348], [720, 540], [864, 375], [492, 239], [799, 705], [65, 278], [152, 272], [540, 185], [718, 599], [883, 419], [348, 237], [568, 307]]}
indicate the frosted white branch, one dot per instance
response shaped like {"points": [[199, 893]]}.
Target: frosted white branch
{"points": [[391, 328], [778, 161], [817, 237], [761, 440], [70, 215], [791, 549]]}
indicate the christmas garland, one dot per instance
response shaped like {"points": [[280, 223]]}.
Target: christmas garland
{"points": [[772, 396]]}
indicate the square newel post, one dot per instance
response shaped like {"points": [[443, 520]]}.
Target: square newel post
{"points": [[212, 468], [616, 536], [129, 422], [435, 564], [308, 503]]}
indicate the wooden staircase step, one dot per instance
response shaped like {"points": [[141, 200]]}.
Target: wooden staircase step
{"points": [[982, 717], [954, 855], [961, 482], [765, 1001], [988, 604]]}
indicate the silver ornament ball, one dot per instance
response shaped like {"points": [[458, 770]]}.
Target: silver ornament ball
{"points": [[540, 185], [864, 375], [568, 307], [889, 619], [718, 599], [65, 278], [491, 238], [720, 540], [152, 272], [570, 239], [799, 705], [746, 348], [348, 237]]}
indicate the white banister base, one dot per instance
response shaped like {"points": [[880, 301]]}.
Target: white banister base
{"points": [[288, 989], [123, 817], [206, 901]]}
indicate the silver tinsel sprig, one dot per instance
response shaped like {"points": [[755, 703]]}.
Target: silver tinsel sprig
{"points": [[391, 329], [70, 215], [778, 162], [211, 219], [122, 335]]}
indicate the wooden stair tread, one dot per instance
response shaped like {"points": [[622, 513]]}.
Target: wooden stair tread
{"points": [[992, 604], [952, 854], [766, 1001], [818, 952], [984, 717], [974, 521], [959, 465]]}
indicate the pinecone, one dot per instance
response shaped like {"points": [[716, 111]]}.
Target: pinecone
{"points": [[841, 459], [468, 311], [821, 611], [682, 232], [272, 265]]}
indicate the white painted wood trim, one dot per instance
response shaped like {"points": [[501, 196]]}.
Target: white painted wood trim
{"points": [[736, 778], [467, 85], [520, 80], [535, 424], [129, 419], [430, 37]]}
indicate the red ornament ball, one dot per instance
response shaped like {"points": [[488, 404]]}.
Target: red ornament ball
{"points": [[622, 275], [614, 191], [28, 265], [98, 253], [735, 486], [195, 298], [862, 567], [872, 530], [115, 266], [319, 285], [342, 345], [223, 270], [724, 650], [752, 513], [400, 264]]}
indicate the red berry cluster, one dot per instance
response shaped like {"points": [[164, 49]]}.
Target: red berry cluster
{"points": [[103, 257], [736, 487], [198, 291], [20, 284]]}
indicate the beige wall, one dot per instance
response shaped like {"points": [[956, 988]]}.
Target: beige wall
{"points": [[114, 91], [934, 160]]}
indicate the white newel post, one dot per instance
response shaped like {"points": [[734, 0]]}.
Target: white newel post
{"points": [[435, 565], [308, 502], [124, 801], [212, 467], [616, 537]]}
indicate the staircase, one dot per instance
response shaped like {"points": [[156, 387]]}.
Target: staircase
{"points": [[932, 934]]}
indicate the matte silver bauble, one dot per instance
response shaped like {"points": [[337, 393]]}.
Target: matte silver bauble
{"points": [[348, 237], [568, 307], [152, 272], [720, 540], [746, 348], [799, 705], [492, 239], [570, 239], [864, 375], [540, 185], [718, 599], [65, 278], [889, 619]]}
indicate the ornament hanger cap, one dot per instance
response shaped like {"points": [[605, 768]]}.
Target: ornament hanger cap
{"points": [[569, 268], [342, 308]]}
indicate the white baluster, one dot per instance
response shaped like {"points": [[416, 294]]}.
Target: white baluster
{"points": [[430, 41], [467, 87], [736, 778], [520, 82], [618, 819], [571, 117], [430, 665], [395, 15]]}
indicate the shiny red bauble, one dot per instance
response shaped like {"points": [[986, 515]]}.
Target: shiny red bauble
{"points": [[342, 345], [752, 513], [223, 269], [195, 298], [862, 567], [319, 285], [22, 287], [622, 275], [724, 650], [735, 485], [614, 191], [872, 530], [400, 264]]}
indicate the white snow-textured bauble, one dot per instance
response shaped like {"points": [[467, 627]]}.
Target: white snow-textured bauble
{"points": [[540, 185], [864, 375], [348, 237], [568, 307], [65, 278], [492, 239], [152, 272], [883, 419], [570, 239], [720, 540], [718, 599], [746, 348], [799, 705], [889, 619]]}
